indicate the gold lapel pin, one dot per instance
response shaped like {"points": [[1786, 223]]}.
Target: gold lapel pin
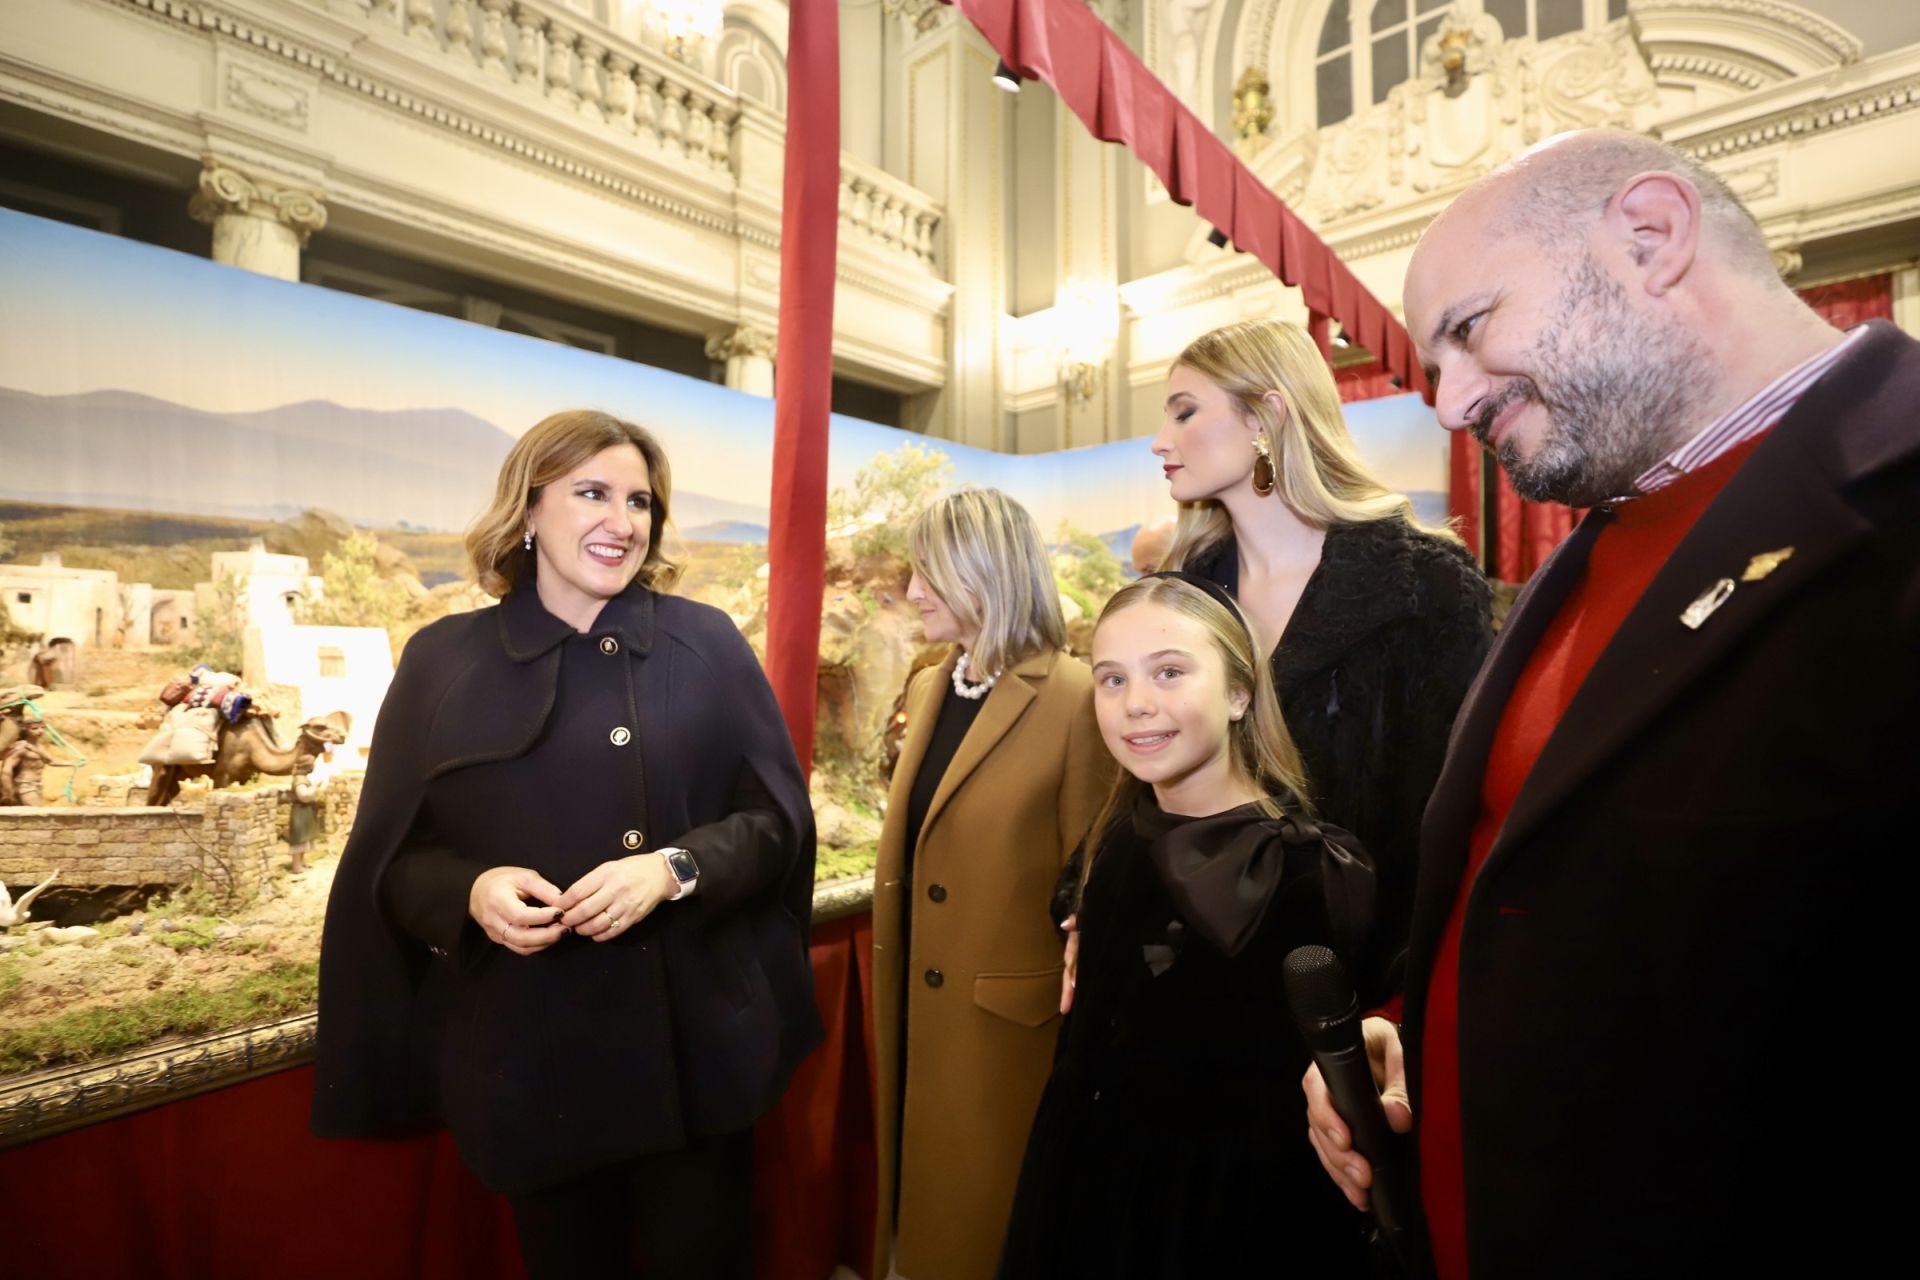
{"points": [[1765, 563], [1705, 603]]}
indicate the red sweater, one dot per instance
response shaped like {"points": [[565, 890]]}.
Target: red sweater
{"points": [[1624, 559]]}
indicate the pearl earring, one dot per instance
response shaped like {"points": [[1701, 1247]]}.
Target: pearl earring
{"points": [[528, 542]]}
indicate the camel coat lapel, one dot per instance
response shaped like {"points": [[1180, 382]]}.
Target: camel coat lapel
{"points": [[1006, 702]]}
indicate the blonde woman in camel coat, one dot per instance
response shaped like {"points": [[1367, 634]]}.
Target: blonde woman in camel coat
{"points": [[1000, 774]]}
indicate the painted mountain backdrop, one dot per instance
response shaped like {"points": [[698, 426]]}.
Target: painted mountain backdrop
{"points": [[429, 469]]}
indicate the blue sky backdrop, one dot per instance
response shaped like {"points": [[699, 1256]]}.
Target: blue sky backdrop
{"points": [[83, 312]]}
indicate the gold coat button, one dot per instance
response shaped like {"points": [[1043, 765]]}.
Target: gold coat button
{"points": [[631, 839], [608, 645], [620, 737]]}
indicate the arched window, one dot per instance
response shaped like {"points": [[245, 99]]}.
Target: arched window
{"points": [[1333, 71], [1398, 29], [1360, 62]]}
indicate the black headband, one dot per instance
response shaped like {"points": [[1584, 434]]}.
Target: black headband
{"points": [[1214, 589]]}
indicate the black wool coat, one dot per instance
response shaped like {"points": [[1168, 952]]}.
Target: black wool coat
{"points": [[1168, 1143], [1685, 964], [1387, 636], [507, 738]]}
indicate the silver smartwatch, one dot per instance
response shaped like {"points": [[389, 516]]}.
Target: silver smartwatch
{"points": [[685, 870]]}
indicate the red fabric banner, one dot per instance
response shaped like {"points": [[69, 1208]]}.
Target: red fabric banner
{"points": [[1525, 533], [803, 369], [230, 1184], [1065, 45], [1465, 500], [1852, 302], [1364, 382]]}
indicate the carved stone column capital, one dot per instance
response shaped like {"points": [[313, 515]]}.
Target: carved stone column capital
{"points": [[225, 191], [741, 340], [748, 352]]}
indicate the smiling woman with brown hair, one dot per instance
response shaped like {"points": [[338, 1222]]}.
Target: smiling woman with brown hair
{"points": [[571, 921]]}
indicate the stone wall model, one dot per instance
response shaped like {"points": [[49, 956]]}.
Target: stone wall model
{"points": [[228, 841]]}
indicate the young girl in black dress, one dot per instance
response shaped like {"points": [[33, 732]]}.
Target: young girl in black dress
{"points": [[1168, 1142]]}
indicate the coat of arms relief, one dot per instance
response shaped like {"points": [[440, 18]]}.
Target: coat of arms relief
{"points": [[1477, 100]]}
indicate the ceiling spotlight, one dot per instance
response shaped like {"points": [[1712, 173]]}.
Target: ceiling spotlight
{"points": [[1217, 238], [1006, 77]]}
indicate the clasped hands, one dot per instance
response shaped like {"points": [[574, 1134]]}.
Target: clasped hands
{"points": [[524, 912]]}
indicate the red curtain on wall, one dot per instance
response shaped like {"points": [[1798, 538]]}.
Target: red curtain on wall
{"points": [[1367, 381], [1527, 532], [230, 1184], [1852, 302]]}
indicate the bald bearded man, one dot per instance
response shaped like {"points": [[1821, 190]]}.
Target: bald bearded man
{"points": [[1668, 872]]}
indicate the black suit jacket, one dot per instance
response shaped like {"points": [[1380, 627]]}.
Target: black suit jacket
{"points": [[1695, 916], [709, 1001]]}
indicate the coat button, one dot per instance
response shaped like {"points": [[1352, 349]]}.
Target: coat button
{"points": [[631, 839], [935, 977], [620, 737], [938, 892], [608, 645]]}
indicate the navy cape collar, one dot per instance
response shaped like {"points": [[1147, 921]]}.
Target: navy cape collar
{"points": [[527, 630]]}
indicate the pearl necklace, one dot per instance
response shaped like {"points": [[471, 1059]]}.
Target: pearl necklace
{"points": [[961, 686]]}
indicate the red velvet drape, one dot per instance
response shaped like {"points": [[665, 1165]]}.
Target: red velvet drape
{"points": [[230, 1184], [1528, 531], [1064, 44], [803, 370], [1852, 302], [1519, 535], [1367, 381]]}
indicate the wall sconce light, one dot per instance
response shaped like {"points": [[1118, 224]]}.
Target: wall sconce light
{"points": [[1006, 77], [683, 26], [1087, 324]]}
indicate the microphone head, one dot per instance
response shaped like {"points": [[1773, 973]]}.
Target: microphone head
{"points": [[1318, 989]]}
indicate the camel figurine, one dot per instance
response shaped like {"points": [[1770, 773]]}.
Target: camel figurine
{"points": [[251, 747]]}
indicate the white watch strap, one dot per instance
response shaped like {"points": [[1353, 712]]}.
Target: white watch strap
{"points": [[684, 887]]}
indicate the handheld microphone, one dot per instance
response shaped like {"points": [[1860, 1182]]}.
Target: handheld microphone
{"points": [[1327, 1012]]}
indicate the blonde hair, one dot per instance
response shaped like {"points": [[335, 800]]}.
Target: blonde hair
{"points": [[981, 553], [1260, 747], [555, 446], [1317, 471]]}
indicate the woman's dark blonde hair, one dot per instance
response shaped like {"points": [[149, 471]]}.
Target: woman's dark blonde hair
{"points": [[981, 553], [1262, 750], [555, 446], [1318, 472]]}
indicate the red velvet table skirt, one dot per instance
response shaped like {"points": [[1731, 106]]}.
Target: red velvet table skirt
{"points": [[230, 1184]]}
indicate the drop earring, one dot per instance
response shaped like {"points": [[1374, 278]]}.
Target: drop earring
{"points": [[1262, 466], [527, 542]]}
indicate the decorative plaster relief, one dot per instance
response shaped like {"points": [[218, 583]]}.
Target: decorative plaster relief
{"points": [[268, 97], [1478, 100], [763, 275], [922, 15], [742, 340], [1753, 182]]}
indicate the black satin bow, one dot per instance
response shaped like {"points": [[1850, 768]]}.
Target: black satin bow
{"points": [[1224, 871]]}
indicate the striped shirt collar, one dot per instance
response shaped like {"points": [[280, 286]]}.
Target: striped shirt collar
{"points": [[1744, 422]]}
